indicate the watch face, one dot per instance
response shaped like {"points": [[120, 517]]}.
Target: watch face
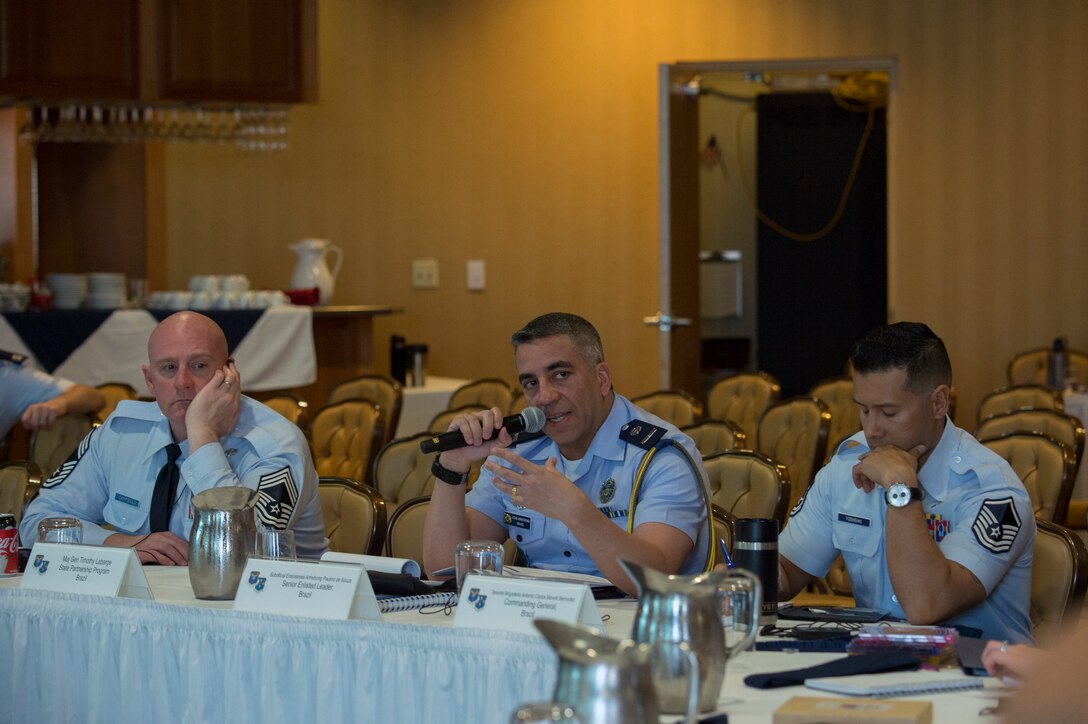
{"points": [[898, 495]]}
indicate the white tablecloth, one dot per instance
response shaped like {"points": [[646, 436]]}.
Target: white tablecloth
{"points": [[84, 659], [276, 353], [419, 405]]}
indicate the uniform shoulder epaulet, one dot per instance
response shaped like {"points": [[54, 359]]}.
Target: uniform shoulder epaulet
{"points": [[641, 434]]}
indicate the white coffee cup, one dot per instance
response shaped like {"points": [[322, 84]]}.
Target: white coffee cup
{"points": [[235, 283]]}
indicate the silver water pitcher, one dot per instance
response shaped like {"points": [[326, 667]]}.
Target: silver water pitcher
{"points": [[677, 613], [220, 541], [606, 681]]}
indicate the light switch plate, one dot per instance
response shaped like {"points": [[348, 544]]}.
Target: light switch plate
{"points": [[425, 273], [476, 273]]}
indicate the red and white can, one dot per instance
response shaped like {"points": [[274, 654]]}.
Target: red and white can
{"points": [[9, 544]]}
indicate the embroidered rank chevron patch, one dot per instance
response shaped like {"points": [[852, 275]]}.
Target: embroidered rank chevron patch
{"points": [[996, 525], [277, 495], [61, 474]]}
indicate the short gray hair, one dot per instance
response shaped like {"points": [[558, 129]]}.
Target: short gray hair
{"points": [[554, 324]]}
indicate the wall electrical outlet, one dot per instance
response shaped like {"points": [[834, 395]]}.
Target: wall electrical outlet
{"points": [[424, 273], [476, 275]]}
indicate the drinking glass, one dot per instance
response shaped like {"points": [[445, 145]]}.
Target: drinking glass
{"points": [[477, 555], [275, 544], [60, 530]]}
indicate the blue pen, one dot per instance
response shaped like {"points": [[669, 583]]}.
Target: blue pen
{"points": [[725, 554]]}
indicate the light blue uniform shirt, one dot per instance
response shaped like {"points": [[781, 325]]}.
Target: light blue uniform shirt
{"points": [[670, 493], [21, 387], [111, 477], [975, 506]]}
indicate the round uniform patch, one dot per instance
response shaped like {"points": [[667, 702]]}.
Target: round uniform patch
{"points": [[608, 491]]}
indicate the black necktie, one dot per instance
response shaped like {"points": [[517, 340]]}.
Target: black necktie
{"points": [[166, 487]]}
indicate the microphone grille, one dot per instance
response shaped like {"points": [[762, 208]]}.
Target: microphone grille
{"points": [[534, 419]]}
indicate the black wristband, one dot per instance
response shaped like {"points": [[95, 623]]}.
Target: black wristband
{"points": [[447, 476]]}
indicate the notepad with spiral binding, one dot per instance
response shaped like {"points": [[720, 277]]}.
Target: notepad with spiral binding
{"points": [[412, 603], [912, 683]]}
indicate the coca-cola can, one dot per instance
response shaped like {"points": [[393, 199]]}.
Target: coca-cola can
{"points": [[9, 544]]}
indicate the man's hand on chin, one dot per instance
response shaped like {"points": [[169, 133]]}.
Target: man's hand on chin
{"points": [[887, 464]]}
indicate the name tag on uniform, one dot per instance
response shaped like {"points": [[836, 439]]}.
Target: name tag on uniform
{"points": [[854, 520], [517, 521], [126, 500]]}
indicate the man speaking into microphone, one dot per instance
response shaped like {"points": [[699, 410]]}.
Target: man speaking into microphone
{"points": [[565, 496]]}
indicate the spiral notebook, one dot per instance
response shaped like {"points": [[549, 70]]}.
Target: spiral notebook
{"points": [[912, 683], [412, 603]]}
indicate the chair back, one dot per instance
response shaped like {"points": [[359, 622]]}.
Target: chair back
{"points": [[1052, 423], [1044, 465], [794, 433], [518, 401], [724, 531], [354, 514], [743, 399], [50, 448], [441, 422], [489, 392], [114, 392], [402, 471], [293, 408], [714, 436], [838, 394], [676, 406], [345, 438], [383, 390], [19, 483], [1059, 577], [1029, 368], [405, 538], [1018, 397], [747, 484]]}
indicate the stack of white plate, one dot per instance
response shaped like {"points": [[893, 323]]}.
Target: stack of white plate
{"points": [[107, 290], [69, 290]]}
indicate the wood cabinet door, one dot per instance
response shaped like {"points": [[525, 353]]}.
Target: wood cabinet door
{"points": [[244, 50], [70, 48]]}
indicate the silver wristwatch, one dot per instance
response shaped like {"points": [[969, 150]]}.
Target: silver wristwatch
{"points": [[899, 495]]}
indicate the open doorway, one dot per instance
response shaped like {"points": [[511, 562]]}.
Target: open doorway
{"points": [[768, 161]]}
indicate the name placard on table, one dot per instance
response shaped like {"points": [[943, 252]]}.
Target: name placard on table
{"points": [[94, 570], [314, 590], [511, 604]]}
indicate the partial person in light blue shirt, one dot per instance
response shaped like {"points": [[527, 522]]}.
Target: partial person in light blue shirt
{"points": [[224, 438], [38, 399], [934, 527], [565, 498]]}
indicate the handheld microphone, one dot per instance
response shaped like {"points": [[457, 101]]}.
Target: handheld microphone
{"points": [[531, 419]]}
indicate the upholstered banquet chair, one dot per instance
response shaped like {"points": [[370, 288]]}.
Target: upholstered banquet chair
{"points": [[747, 484], [724, 528], [794, 433], [1052, 423], [50, 448], [488, 392], [291, 407], [838, 394], [1029, 368], [441, 422], [19, 483], [402, 471], [345, 438], [676, 406], [1059, 577], [713, 436], [1044, 465], [114, 392], [355, 518], [1018, 397], [405, 536], [743, 399], [383, 390]]}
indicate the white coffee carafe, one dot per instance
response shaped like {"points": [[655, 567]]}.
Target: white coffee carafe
{"points": [[312, 270]]}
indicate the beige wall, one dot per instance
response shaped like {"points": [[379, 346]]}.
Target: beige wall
{"points": [[524, 133]]}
